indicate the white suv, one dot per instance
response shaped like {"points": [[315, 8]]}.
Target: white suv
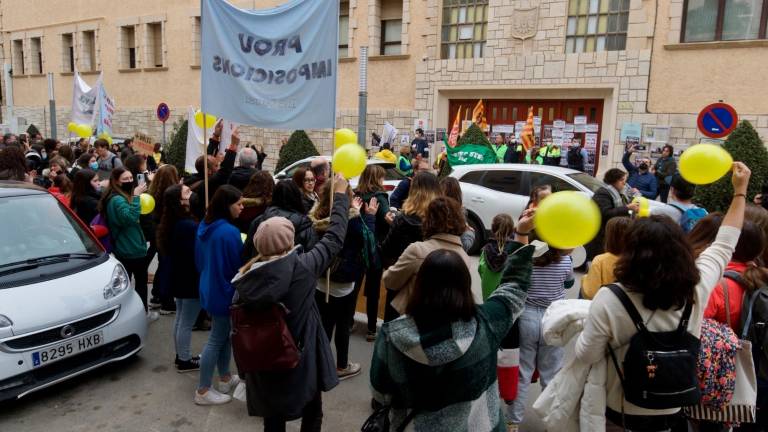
{"points": [[66, 306], [490, 189]]}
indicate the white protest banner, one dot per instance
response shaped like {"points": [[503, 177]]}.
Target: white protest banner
{"points": [[105, 109], [389, 134], [272, 68], [195, 147], [83, 100]]}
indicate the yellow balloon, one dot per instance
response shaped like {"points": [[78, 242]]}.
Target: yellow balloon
{"points": [[705, 163], [344, 136], [83, 130], [566, 220], [147, 203], [243, 237], [209, 120], [349, 160], [645, 206], [71, 126]]}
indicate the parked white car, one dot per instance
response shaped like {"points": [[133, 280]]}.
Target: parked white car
{"points": [[66, 306], [490, 189], [391, 180]]}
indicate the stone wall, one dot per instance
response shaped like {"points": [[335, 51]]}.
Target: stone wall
{"points": [[128, 121]]}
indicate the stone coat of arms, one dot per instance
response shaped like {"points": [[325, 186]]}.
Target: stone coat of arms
{"points": [[525, 23]]}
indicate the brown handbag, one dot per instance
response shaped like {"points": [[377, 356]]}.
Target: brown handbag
{"points": [[261, 340]]}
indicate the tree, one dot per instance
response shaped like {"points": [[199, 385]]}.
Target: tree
{"points": [[474, 135], [176, 152], [32, 131], [744, 145], [298, 147]]}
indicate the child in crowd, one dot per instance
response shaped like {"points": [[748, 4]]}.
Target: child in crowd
{"points": [[493, 257], [601, 271], [552, 274]]}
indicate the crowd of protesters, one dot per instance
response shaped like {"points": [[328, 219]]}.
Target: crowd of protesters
{"points": [[312, 243]]}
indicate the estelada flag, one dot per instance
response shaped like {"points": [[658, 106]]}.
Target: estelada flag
{"points": [[527, 134], [454, 137], [478, 115]]}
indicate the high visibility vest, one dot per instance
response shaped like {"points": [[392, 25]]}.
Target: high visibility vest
{"points": [[407, 171], [500, 152]]}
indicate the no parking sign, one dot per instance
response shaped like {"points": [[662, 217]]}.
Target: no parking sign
{"points": [[717, 120]]}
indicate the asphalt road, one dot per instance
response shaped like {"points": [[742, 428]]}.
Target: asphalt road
{"points": [[146, 393]]}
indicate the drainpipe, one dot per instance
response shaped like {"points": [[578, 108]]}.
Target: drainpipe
{"points": [[363, 97]]}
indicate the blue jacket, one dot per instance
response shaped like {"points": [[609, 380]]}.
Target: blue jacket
{"points": [[400, 194], [217, 256], [646, 183]]}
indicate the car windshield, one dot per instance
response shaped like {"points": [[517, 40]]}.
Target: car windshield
{"points": [[587, 181], [38, 227]]}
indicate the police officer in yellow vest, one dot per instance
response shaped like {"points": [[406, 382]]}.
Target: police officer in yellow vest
{"points": [[500, 147]]}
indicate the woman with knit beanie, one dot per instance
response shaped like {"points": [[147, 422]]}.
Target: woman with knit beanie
{"points": [[283, 273]]}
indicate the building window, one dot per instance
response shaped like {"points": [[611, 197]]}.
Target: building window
{"points": [[391, 36], [18, 57], [154, 41], [36, 55], [344, 30], [464, 29], [597, 25], [128, 47], [721, 20], [67, 52], [88, 57], [196, 41]]}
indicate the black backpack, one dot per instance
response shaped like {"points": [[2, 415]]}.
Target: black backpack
{"points": [[754, 322], [660, 369]]}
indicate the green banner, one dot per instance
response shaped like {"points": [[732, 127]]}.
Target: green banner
{"points": [[470, 154]]}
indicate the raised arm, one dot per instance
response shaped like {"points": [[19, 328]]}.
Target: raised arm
{"points": [[320, 256]]}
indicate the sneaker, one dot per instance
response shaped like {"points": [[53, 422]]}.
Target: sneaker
{"points": [[370, 336], [195, 358], [154, 303], [152, 316], [226, 387], [352, 369], [211, 397], [168, 311], [187, 365]]}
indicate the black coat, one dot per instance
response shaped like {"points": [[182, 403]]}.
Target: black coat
{"points": [[241, 176], [304, 234], [608, 210], [351, 264], [292, 281], [183, 275], [88, 206], [406, 229]]}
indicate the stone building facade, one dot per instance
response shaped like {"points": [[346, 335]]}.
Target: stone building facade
{"points": [[541, 53]]}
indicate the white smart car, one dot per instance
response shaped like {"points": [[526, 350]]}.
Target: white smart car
{"points": [[490, 189], [66, 306]]}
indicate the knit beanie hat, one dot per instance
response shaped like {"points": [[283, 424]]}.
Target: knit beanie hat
{"points": [[274, 236]]}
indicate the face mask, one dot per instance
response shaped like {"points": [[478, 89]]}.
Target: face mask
{"points": [[94, 166], [127, 187]]}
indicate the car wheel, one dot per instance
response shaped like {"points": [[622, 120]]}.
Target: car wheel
{"points": [[479, 235]]}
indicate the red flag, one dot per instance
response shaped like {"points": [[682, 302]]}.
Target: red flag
{"points": [[454, 137], [527, 134]]}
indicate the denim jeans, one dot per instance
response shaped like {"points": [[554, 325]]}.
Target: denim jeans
{"points": [[186, 313], [217, 352], [534, 354]]}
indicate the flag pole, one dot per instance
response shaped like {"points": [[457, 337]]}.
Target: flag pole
{"points": [[205, 157]]}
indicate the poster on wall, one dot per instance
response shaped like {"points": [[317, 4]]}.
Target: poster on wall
{"points": [[580, 128], [580, 120], [505, 129], [422, 124], [430, 135], [656, 134], [568, 128], [590, 141], [630, 135], [593, 128], [604, 148], [440, 134], [558, 124]]}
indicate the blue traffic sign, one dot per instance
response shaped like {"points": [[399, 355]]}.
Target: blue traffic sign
{"points": [[717, 120], [163, 112]]}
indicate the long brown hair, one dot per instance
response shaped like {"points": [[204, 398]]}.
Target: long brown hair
{"points": [[165, 177], [502, 227], [370, 179], [616, 233], [424, 189], [704, 232], [260, 185], [322, 208], [748, 251], [759, 216]]}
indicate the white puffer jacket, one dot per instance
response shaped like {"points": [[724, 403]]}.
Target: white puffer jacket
{"points": [[575, 399]]}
